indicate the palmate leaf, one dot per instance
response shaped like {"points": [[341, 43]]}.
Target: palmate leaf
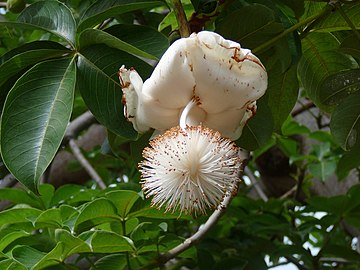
{"points": [[102, 10], [320, 60], [100, 88], [36, 113]]}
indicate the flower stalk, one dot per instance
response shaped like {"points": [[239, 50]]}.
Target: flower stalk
{"points": [[180, 15]]}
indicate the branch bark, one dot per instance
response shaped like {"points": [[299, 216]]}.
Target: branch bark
{"points": [[184, 28], [255, 183], [87, 166], [77, 125]]}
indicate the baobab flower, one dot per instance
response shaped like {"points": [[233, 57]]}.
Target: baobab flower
{"points": [[225, 79], [189, 168], [199, 97]]}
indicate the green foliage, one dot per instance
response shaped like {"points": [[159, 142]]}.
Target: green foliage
{"points": [[58, 58]]}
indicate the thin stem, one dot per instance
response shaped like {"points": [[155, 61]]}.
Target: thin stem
{"points": [[123, 225], [184, 28], [87, 166], [272, 41], [294, 261], [195, 238]]}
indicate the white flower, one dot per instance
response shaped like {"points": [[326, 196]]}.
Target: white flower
{"points": [[223, 78], [189, 169]]}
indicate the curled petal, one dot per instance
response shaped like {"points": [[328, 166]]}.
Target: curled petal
{"points": [[172, 82]]}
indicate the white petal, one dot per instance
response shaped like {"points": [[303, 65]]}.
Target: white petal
{"points": [[172, 82], [226, 76], [218, 73], [131, 84], [151, 113]]}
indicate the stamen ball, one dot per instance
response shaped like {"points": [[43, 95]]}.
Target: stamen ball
{"points": [[189, 169]]}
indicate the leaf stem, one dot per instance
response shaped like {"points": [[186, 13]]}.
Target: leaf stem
{"points": [[184, 28], [272, 41]]}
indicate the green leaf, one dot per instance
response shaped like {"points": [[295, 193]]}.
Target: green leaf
{"points": [[123, 200], [18, 215], [49, 218], [323, 169], [113, 261], [14, 63], [170, 19], [292, 127], [345, 121], [102, 10], [99, 85], [35, 116], [51, 258], [336, 22], [107, 242], [135, 39], [338, 86], [30, 53], [258, 130], [151, 212], [240, 25], [341, 251], [10, 237], [51, 16], [351, 45], [321, 59], [19, 196], [11, 264], [46, 192], [282, 94], [27, 256], [336, 205], [63, 193], [96, 212], [350, 160], [71, 244]]}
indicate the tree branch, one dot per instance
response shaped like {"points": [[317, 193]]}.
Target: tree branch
{"points": [[184, 28], [302, 109], [255, 184], [77, 125], [87, 166]]}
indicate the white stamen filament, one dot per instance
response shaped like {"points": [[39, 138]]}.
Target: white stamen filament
{"points": [[185, 112]]}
